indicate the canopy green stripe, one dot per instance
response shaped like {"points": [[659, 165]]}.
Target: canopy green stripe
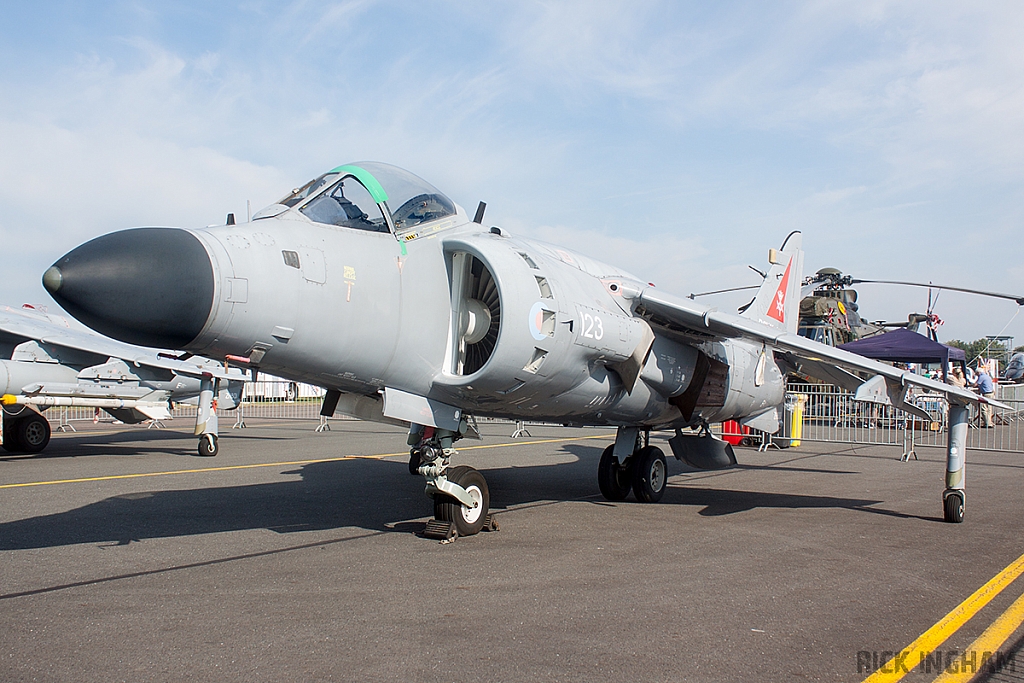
{"points": [[367, 179]]}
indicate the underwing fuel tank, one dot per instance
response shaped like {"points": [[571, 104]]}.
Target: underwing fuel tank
{"points": [[16, 375]]}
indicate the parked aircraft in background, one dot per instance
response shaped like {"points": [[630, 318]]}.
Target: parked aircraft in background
{"points": [[1014, 369], [45, 363], [372, 283]]}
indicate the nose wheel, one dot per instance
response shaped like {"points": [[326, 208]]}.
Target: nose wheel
{"points": [[468, 519]]}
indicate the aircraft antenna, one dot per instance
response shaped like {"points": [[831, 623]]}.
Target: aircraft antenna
{"points": [[479, 217]]}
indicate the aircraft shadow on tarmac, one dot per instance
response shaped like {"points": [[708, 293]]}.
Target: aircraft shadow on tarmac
{"points": [[365, 493], [122, 443]]}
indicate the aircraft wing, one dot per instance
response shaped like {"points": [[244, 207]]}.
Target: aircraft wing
{"points": [[17, 325], [685, 317]]}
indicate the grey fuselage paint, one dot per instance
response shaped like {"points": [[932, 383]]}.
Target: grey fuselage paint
{"points": [[375, 314]]}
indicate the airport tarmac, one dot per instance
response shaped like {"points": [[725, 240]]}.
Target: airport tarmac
{"points": [[295, 556]]}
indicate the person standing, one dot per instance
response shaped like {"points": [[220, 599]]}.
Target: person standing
{"points": [[986, 388]]}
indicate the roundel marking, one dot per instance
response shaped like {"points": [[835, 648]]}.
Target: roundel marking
{"points": [[537, 320]]}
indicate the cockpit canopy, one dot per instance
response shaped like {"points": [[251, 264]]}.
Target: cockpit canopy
{"points": [[361, 195]]}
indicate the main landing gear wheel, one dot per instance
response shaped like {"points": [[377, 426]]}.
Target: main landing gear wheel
{"points": [[612, 478], [208, 446], [650, 474], [953, 507], [10, 440], [468, 521], [29, 434]]}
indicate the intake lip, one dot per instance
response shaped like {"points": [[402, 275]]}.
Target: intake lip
{"points": [[147, 286]]}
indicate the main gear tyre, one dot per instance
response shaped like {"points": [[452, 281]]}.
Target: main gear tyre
{"points": [[10, 443], [612, 478], [650, 474], [32, 433]]}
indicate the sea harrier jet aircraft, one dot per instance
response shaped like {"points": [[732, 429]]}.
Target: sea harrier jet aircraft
{"points": [[372, 283]]}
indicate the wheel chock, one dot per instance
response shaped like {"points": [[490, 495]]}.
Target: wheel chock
{"points": [[443, 531], [447, 533]]}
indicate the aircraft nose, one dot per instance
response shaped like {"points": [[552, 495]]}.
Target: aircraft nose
{"points": [[146, 286]]}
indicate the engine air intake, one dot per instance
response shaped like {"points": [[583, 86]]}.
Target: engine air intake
{"points": [[478, 310]]}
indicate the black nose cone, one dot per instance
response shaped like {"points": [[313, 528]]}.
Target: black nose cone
{"points": [[147, 286]]}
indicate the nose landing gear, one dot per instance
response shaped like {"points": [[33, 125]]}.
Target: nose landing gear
{"points": [[461, 499]]}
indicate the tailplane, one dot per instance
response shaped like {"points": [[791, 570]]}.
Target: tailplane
{"points": [[778, 300]]}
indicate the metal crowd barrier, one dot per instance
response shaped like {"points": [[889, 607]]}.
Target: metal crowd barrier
{"points": [[829, 414], [266, 398]]}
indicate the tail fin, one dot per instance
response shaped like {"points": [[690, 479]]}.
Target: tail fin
{"points": [[778, 300]]}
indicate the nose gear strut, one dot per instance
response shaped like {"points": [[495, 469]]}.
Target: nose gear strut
{"points": [[461, 498]]}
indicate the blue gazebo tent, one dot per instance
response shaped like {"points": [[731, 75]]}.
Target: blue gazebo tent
{"points": [[903, 346]]}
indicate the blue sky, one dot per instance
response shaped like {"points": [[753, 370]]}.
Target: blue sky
{"points": [[679, 140]]}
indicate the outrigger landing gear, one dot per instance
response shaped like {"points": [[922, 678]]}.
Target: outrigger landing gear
{"points": [[631, 463], [461, 498], [954, 497], [206, 417]]}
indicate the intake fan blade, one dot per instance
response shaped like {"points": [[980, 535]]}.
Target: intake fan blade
{"points": [[485, 289]]}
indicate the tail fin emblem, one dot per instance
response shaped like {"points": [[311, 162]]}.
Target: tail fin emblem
{"points": [[777, 309]]}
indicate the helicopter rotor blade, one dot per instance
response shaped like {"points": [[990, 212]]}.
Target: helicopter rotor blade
{"points": [[722, 291], [1012, 297]]}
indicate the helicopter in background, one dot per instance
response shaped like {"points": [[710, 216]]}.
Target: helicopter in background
{"points": [[829, 313]]}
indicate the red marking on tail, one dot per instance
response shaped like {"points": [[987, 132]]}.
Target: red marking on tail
{"points": [[777, 308]]}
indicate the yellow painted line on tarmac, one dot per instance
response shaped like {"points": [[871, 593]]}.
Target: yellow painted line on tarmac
{"points": [[988, 643], [288, 463], [904, 661]]}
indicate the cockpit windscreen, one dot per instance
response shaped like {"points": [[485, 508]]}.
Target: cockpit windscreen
{"points": [[411, 199], [347, 204]]}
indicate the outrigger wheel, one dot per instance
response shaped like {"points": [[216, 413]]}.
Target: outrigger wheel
{"points": [[953, 506], [208, 446]]}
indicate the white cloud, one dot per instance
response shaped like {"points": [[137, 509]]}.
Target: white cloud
{"points": [[677, 140], [62, 187]]}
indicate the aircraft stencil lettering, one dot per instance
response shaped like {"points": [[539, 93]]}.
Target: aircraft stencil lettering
{"points": [[441, 338]]}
